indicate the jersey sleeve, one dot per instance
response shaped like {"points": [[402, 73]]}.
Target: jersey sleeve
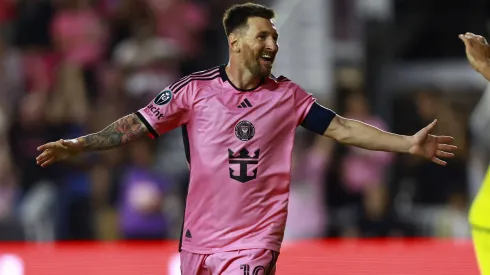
{"points": [[302, 103], [309, 113], [168, 110]]}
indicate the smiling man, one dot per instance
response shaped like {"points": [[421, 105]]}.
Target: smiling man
{"points": [[239, 124]]}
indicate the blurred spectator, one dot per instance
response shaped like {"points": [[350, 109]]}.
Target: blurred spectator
{"points": [[377, 218], [149, 61], [430, 177], [141, 197], [356, 176], [122, 15], [78, 32], [69, 110], [28, 130], [10, 227], [39, 70], [11, 78], [188, 34], [37, 184], [434, 197], [306, 190], [362, 169], [80, 37], [8, 184]]}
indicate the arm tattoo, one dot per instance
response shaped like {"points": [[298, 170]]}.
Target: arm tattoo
{"points": [[122, 131]]}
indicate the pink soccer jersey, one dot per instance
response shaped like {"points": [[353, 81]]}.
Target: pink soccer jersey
{"points": [[239, 146]]}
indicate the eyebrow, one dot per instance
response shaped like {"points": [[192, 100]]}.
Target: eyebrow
{"points": [[275, 34]]}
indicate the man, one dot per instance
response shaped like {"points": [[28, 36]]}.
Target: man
{"points": [[478, 54], [238, 124]]}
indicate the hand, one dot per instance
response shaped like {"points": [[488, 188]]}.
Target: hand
{"points": [[58, 150], [432, 147], [477, 51]]}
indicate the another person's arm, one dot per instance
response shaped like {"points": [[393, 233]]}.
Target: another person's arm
{"points": [[477, 52]]}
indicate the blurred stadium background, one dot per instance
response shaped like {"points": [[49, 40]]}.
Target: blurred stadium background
{"points": [[70, 67]]}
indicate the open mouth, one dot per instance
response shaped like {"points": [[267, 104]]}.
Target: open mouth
{"points": [[267, 58]]}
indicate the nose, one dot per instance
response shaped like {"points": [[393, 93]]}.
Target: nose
{"points": [[272, 45]]}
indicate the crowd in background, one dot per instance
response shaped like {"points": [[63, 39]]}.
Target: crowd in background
{"points": [[68, 68]]}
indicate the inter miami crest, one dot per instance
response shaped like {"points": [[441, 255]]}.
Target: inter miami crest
{"points": [[163, 97], [244, 130]]}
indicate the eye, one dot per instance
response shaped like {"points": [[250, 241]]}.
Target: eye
{"points": [[261, 37]]}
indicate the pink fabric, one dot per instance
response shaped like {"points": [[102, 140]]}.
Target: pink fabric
{"points": [[80, 36], [362, 168], [225, 211], [251, 261]]}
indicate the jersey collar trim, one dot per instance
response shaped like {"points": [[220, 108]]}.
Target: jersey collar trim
{"points": [[224, 77]]}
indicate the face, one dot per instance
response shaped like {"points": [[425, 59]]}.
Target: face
{"points": [[257, 45]]}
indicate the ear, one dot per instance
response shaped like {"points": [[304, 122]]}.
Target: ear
{"points": [[234, 42]]}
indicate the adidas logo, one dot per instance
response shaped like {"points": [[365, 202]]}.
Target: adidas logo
{"points": [[245, 104], [188, 234]]}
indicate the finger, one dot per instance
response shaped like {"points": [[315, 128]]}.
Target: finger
{"points": [[439, 161], [443, 154], [465, 40], [471, 38], [48, 162], [481, 39], [44, 155], [444, 139], [431, 125], [446, 147], [43, 158], [46, 146]]}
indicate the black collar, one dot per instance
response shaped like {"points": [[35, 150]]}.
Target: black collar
{"points": [[224, 77]]}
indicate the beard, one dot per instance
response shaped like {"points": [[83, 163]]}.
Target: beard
{"points": [[254, 65]]}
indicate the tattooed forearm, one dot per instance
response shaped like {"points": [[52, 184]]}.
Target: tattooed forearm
{"points": [[122, 131]]}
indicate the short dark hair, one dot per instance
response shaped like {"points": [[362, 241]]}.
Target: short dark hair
{"points": [[237, 15]]}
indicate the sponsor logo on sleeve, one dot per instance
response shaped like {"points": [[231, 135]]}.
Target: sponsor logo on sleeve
{"points": [[153, 110], [163, 97]]}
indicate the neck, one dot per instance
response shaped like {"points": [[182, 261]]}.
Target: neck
{"points": [[241, 77]]}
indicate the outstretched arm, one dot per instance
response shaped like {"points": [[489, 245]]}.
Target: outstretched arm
{"points": [[122, 131], [359, 134]]}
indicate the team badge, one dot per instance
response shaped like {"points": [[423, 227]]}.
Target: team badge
{"points": [[163, 97], [244, 130]]}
